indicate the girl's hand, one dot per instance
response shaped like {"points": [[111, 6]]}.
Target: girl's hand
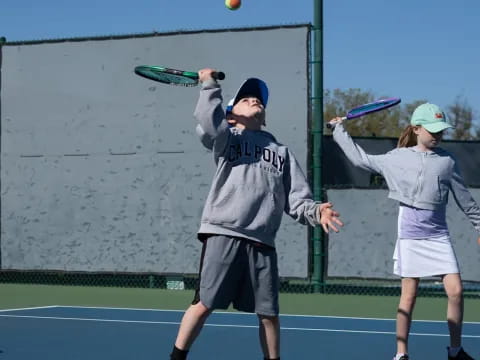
{"points": [[478, 241], [336, 121]]}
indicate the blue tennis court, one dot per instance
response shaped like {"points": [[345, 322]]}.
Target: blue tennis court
{"points": [[60, 333]]}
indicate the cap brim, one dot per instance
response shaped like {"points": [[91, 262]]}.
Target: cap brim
{"points": [[437, 127], [229, 107]]}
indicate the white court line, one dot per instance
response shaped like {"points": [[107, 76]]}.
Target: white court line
{"points": [[229, 325], [123, 308], [251, 314], [29, 308]]}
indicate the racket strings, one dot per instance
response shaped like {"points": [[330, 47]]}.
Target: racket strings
{"points": [[175, 79], [373, 107], [167, 77]]}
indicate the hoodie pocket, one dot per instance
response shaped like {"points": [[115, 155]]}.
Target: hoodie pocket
{"points": [[435, 191], [244, 207], [404, 181], [443, 186]]}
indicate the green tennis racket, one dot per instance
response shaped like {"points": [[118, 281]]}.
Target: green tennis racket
{"points": [[172, 76]]}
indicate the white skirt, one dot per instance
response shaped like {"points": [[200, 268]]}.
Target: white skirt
{"points": [[415, 258]]}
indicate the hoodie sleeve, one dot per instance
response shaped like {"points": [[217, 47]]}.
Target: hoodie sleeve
{"points": [[355, 153], [299, 203], [212, 127], [464, 198]]}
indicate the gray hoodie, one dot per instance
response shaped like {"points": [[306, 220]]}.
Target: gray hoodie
{"points": [[419, 179], [256, 179]]}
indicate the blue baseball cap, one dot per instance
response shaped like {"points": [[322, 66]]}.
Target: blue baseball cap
{"points": [[252, 86]]}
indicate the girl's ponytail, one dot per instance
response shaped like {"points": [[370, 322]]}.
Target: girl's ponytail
{"points": [[407, 138]]}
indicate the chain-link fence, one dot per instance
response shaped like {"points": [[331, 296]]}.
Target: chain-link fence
{"points": [[346, 286]]}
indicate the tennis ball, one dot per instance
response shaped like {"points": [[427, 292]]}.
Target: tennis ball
{"points": [[233, 4]]}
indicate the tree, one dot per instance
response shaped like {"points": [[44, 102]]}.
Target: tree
{"points": [[387, 123], [391, 122], [462, 116]]}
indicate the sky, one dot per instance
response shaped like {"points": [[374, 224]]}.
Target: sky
{"points": [[412, 49]]}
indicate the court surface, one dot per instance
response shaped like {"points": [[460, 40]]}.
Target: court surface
{"points": [[68, 333]]}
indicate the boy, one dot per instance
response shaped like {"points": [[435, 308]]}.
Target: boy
{"points": [[256, 180]]}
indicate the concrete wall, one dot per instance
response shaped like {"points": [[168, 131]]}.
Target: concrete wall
{"points": [[101, 170]]}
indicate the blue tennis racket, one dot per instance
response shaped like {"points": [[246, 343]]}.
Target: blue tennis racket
{"points": [[369, 108]]}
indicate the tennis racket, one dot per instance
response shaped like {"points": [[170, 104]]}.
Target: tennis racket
{"points": [[365, 109], [172, 76]]}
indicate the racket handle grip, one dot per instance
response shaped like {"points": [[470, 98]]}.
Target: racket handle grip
{"points": [[330, 126], [218, 75]]}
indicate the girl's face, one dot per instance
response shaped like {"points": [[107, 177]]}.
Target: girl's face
{"points": [[427, 140]]}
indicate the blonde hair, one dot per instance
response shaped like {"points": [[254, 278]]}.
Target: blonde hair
{"points": [[408, 137]]}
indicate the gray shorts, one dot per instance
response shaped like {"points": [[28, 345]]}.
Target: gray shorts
{"points": [[239, 272]]}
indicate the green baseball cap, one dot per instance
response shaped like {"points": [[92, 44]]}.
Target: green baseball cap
{"points": [[431, 117]]}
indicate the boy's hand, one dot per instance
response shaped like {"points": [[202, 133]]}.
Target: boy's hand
{"points": [[328, 217], [205, 74]]}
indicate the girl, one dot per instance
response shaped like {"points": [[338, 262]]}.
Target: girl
{"points": [[420, 175]]}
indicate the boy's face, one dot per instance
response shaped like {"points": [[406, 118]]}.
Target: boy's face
{"points": [[250, 108]]}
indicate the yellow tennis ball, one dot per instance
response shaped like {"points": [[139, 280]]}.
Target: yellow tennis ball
{"points": [[233, 4]]}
